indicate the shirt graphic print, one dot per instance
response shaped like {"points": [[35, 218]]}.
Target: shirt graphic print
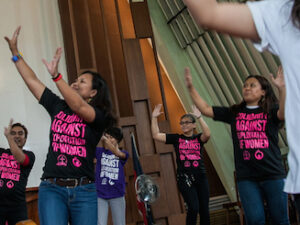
{"points": [[68, 138], [251, 134]]}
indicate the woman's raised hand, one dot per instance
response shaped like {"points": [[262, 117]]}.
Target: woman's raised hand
{"points": [[52, 66], [156, 112], [196, 112], [7, 129], [13, 42], [278, 81], [188, 78]]}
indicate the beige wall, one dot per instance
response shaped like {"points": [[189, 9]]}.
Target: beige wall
{"points": [[39, 37]]}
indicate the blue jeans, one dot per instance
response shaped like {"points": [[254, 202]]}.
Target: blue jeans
{"points": [[60, 205], [254, 193]]}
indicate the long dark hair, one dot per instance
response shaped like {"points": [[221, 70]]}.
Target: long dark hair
{"points": [[102, 99], [296, 13], [266, 102]]}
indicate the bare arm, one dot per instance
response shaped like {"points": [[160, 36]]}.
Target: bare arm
{"points": [[33, 83], [231, 18], [204, 108], [114, 149], [72, 98], [14, 148], [157, 135], [205, 130], [280, 84]]}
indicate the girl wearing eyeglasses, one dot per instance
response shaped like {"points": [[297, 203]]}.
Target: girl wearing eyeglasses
{"points": [[191, 175]]}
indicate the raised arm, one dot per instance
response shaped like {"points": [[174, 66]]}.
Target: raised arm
{"points": [[156, 134], [226, 17], [204, 108], [114, 149], [205, 130], [72, 98], [33, 83], [280, 84], [14, 148]]}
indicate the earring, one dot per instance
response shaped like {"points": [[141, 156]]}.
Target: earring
{"points": [[89, 100]]}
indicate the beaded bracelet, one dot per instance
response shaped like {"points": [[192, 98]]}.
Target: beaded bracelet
{"points": [[16, 57]]}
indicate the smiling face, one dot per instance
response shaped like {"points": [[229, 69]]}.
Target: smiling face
{"points": [[18, 134], [84, 86], [187, 126], [252, 92]]}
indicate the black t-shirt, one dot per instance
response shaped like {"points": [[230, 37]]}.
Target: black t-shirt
{"points": [[73, 141], [255, 139], [189, 153], [13, 178]]}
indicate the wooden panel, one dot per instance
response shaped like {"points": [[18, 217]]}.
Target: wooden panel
{"points": [[126, 19], [151, 73], [145, 141], [68, 40], [131, 209], [127, 121], [32, 204], [150, 163], [120, 78], [164, 126], [141, 19], [100, 41], [82, 35], [135, 69], [160, 208], [169, 177], [177, 219]]}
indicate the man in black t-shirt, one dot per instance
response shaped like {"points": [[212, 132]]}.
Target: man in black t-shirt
{"points": [[15, 166]]}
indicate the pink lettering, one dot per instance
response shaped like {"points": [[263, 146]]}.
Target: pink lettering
{"points": [[10, 176], [251, 135], [9, 163], [73, 129], [69, 149], [190, 145], [68, 139], [251, 116], [255, 143], [256, 125], [68, 118]]}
